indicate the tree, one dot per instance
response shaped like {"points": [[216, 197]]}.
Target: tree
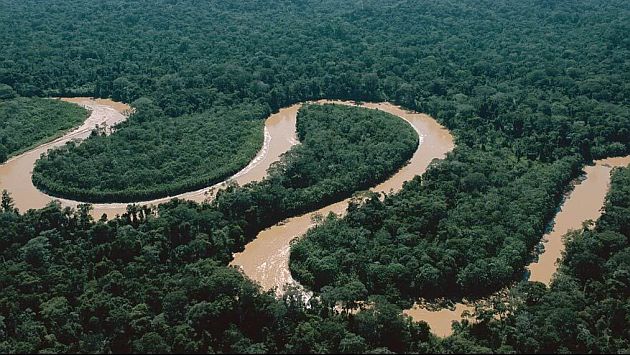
{"points": [[6, 92], [3, 153], [7, 202], [36, 251], [151, 343]]}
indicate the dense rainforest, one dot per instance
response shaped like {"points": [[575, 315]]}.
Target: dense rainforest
{"points": [[531, 89], [131, 167], [151, 285], [29, 122], [141, 283], [586, 309]]}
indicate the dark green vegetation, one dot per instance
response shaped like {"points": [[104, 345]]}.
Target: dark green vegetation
{"points": [[152, 284], [146, 284], [532, 89], [586, 309], [29, 122], [463, 224], [152, 155]]}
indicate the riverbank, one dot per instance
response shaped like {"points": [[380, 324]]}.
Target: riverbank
{"points": [[16, 174], [266, 259]]}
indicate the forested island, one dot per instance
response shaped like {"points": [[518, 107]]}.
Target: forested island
{"points": [[532, 91]]}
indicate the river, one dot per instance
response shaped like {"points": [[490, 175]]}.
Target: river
{"points": [[16, 173], [583, 203], [265, 259]]}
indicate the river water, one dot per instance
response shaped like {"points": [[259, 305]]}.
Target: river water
{"points": [[584, 203], [16, 173], [265, 259]]}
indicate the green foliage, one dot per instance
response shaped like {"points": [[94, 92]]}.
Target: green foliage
{"points": [[464, 223], [312, 174], [141, 284], [6, 92], [152, 155], [586, 308], [539, 90], [28, 122], [343, 150]]}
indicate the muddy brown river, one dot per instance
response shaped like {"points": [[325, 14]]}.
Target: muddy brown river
{"points": [[584, 203], [16, 173], [265, 259]]}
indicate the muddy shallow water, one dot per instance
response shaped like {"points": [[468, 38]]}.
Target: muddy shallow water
{"points": [[265, 259]]}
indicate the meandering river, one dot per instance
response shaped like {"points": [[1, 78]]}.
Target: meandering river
{"points": [[16, 173], [583, 203], [265, 259]]}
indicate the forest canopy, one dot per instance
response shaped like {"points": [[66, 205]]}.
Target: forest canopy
{"points": [[152, 155], [28, 122], [532, 91], [151, 285]]}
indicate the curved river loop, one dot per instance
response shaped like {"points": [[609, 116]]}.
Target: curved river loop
{"points": [[16, 173], [265, 259]]}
